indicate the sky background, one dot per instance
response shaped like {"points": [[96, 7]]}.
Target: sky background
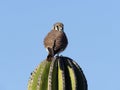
{"points": [[92, 28]]}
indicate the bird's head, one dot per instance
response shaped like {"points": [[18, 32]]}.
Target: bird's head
{"points": [[58, 26]]}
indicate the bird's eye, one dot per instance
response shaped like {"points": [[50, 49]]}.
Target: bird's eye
{"points": [[57, 28]]}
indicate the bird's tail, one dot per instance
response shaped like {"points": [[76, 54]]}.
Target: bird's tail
{"points": [[49, 57], [50, 54]]}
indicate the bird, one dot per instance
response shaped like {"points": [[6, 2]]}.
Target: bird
{"points": [[56, 40]]}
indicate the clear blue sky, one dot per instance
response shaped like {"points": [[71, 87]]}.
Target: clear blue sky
{"points": [[92, 27]]}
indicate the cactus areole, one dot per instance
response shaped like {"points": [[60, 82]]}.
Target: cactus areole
{"points": [[61, 73]]}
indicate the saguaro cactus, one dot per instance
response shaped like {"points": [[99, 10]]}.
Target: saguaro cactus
{"points": [[61, 73]]}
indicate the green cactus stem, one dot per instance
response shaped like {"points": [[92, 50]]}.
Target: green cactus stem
{"points": [[61, 73]]}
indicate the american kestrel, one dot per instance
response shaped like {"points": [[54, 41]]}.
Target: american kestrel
{"points": [[56, 40]]}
